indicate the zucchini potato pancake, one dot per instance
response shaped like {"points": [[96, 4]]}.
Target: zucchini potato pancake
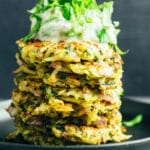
{"points": [[67, 102], [68, 87]]}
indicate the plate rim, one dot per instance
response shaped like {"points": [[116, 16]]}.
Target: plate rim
{"points": [[127, 143]]}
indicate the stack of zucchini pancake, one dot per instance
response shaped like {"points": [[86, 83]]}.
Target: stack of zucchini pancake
{"points": [[68, 84]]}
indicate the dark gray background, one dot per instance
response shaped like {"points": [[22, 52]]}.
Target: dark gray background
{"points": [[134, 16]]}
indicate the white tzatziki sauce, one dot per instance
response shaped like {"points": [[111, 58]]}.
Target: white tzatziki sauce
{"points": [[54, 27]]}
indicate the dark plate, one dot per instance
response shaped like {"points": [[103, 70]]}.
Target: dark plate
{"points": [[130, 108]]}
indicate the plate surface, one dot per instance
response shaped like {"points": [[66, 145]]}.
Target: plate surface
{"points": [[130, 108]]}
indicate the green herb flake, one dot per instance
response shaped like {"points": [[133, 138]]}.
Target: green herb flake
{"points": [[48, 93], [59, 127], [35, 29], [62, 75], [89, 20], [135, 121], [67, 11], [103, 36], [86, 53], [120, 51]]}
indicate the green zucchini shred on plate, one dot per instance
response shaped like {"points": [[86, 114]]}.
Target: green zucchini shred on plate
{"points": [[135, 121]]}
